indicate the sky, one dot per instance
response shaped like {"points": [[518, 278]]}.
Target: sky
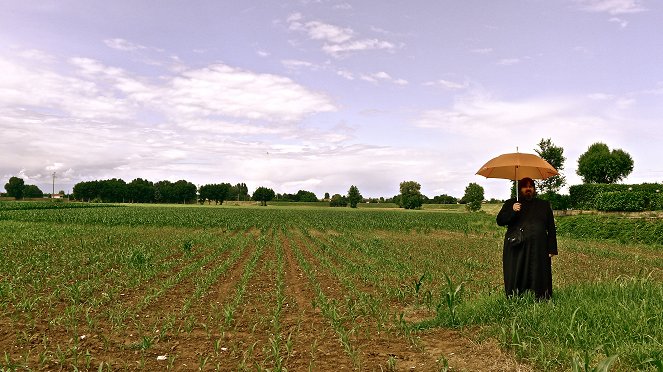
{"points": [[321, 95]]}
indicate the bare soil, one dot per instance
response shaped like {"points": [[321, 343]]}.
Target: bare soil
{"points": [[298, 338]]}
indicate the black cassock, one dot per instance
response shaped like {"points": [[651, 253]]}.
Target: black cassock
{"points": [[527, 266]]}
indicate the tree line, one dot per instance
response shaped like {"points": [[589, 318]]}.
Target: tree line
{"points": [[598, 165]]}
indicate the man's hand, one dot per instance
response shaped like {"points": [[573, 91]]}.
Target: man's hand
{"points": [[516, 207]]}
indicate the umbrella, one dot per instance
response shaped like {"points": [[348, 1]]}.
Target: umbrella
{"points": [[516, 166]]}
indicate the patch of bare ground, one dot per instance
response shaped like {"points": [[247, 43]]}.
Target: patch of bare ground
{"points": [[187, 337], [378, 348], [464, 354], [315, 344]]}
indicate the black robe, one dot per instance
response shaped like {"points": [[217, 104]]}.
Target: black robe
{"points": [[527, 267]]}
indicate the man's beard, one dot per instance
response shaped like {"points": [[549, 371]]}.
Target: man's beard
{"points": [[528, 197]]}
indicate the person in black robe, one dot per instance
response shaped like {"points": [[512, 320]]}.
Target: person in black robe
{"points": [[527, 265]]}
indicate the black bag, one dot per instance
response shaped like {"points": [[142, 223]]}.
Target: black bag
{"points": [[515, 237]]}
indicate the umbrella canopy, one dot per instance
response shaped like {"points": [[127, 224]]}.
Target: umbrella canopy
{"points": [[516, 166]]}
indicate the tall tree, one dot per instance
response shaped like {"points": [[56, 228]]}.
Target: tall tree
{"points": [[354, 197], [338, 201], [410, 197], [140, 191], [600, 165], [184, 191], [555, 156], [15, 187], [32, 191], [263, 195], [306, 196], [473, 197]]}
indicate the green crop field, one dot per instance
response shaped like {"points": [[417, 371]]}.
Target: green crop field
{"points": [[239, 287]]}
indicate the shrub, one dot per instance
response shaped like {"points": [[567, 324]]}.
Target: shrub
{"points": [[621, 201], [586, 196], [557, 201]]}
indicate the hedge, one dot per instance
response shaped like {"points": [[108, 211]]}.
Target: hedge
{"points": [[588, 196]]}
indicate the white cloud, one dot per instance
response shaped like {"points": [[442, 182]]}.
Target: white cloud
{"points": [[228, 91], [621, 22], [123, 45], [338, 41], [343, 6], [345, 74], [447, 84], [611, 6], [482, 50], [509, 61], [357, 45], [384, 77], [293, 64], [326, 32]]}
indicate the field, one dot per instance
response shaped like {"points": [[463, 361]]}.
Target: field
{"points": [[323, 289]]}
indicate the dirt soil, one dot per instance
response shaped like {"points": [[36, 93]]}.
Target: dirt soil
{"points": [[168, 334]]}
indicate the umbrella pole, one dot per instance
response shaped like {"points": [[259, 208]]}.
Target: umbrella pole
{"points": [[516, 180], [516, 183]]}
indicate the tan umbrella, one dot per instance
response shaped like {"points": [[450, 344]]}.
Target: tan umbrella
{"points": [[516, 166]]}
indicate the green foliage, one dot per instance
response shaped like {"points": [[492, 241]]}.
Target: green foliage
{"points": [[554, 155], [620, 229], [15, 187], [600, 165], [140, 191], [586, 196], [473, 197], [263, 195], [621, 201], [410, 196], [373, 260], [217, 192], [443, 199], [557, 201], [354, 197], [32, 191]]}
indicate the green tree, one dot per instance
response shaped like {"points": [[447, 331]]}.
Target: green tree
{"points": [[555, 156], [410, 196], [263, 195], [473, 197], [600, 165], [184, 191], [140, 191], [15, 187], [238, 192], [306, 196], [32, 191], [354, 197], [86, 190], [337, 200], [218, 192]]}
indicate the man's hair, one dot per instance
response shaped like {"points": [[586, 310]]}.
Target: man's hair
{"points": [[526, 181]]}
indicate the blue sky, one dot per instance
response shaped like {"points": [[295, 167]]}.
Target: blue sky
{"points": [[321, 95]]}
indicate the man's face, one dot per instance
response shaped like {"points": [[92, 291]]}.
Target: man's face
{"points": [[527, 190]]}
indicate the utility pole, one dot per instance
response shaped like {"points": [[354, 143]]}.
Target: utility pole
{"points": [[53, 185]]}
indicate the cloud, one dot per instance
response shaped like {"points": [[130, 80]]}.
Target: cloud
{"points": [[382, 76], [337, 41], [293, 64], [123, 45], [621, 22], [509, 61], [611, 6], [98, 121], [482, 50], [228, 91], [357, 45], [447, 84], [343, 6]]}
